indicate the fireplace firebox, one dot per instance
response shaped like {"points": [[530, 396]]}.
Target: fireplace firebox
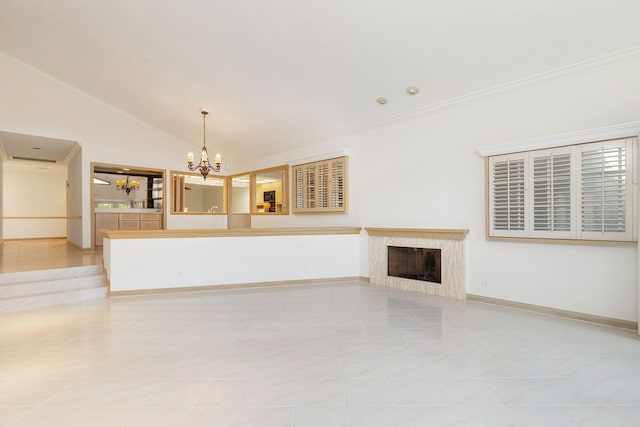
{"points": [[414, 263]]}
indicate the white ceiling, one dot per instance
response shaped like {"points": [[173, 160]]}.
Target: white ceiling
{"points": [[36, 148], [276, 74]]}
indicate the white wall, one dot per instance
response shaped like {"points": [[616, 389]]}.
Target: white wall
{"points": [[1, 200], [424, 171], [421, 171], [37, 197], [240, 200], [74, 201], [106, 135], [206, 261]]}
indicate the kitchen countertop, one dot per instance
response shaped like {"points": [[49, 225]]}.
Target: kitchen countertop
{"points": [[126, 210]]}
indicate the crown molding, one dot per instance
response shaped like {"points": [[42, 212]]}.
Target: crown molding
{"points": [[580, 137], [71, 153], [3, 152], [344, 152], [579, 68]]}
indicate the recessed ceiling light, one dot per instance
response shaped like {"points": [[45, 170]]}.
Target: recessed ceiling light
{"points": [[412, 90], [382, 101]]}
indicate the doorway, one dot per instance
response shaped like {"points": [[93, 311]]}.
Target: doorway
{"points": [[126, 198], [36, 201]]}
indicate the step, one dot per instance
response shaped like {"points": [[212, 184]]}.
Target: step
{"points": [[43, 288], [29, 302], [46, 286], [52, 274]]}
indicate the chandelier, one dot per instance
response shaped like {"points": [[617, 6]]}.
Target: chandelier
{"points": [[126, 185], [204, 166]]}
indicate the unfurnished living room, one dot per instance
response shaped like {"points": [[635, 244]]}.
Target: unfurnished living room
{"points": [[339, 213]]}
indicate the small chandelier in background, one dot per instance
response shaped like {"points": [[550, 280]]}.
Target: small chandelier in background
{"points": [[204, 166], [126, 185]]}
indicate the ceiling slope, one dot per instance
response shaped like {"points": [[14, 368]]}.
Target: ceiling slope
{"points": [[282, 73]]}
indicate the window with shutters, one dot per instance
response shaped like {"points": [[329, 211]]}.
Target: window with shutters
{"points": [[580, 192], [320, 186], [508, 195]]}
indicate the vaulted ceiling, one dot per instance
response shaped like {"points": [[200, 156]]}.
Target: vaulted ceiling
{"points": [[277, 74]]}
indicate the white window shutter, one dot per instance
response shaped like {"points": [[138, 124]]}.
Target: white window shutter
{"points": [[605, 189], [552, 194], [584, 191], [507, 175]]}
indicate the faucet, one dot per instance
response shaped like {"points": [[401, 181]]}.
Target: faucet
{"points": [[213, 209]]}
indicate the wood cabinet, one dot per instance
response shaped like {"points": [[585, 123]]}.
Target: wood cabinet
{"points": [[105, 221], [125, 221], [150, 222]]}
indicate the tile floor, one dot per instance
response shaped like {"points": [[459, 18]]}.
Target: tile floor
{"points": [[42, 254], [325, 355]]}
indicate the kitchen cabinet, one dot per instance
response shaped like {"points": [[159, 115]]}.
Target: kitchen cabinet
{"points": [[150, 222], [125, 221], [105, 221]]}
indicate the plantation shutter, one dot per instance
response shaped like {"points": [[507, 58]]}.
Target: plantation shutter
{"points": [[337, 183], [606, 190], [298, 187], [310, 187], [508, 198], [582, 191], [321, 186], [552, 204]]}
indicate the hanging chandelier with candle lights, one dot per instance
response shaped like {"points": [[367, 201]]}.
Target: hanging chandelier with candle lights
{"points": [[204, 166], [127, 185]]}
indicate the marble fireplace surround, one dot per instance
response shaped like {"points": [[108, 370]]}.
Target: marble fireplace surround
{"points": [[449, 241]]}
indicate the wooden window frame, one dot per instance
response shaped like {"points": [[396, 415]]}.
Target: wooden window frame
{"points": [[253, 187], [301, 190], [576, 234], [172, 211]]}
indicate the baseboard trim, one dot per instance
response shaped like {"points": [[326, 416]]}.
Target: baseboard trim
{"points": [[230, 286], [365, 279], [608, 321], [78, 247], [18, 239]]}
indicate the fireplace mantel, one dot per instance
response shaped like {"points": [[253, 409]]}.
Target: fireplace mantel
{"points": [[425, 233]]}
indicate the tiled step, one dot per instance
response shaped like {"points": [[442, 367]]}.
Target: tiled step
{"points": [[48, 286], [43, 288], [56, 273]]}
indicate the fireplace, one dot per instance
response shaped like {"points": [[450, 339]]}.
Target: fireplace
{"points": [[449, 261], [414, 263]]}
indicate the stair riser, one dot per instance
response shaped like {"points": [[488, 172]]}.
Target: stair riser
{"points": [[27, 303], [48, 275], [25, 289]]}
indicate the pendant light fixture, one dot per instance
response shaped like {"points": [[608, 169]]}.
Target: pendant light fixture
{"points": [[127, 185], [204, 166]]}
